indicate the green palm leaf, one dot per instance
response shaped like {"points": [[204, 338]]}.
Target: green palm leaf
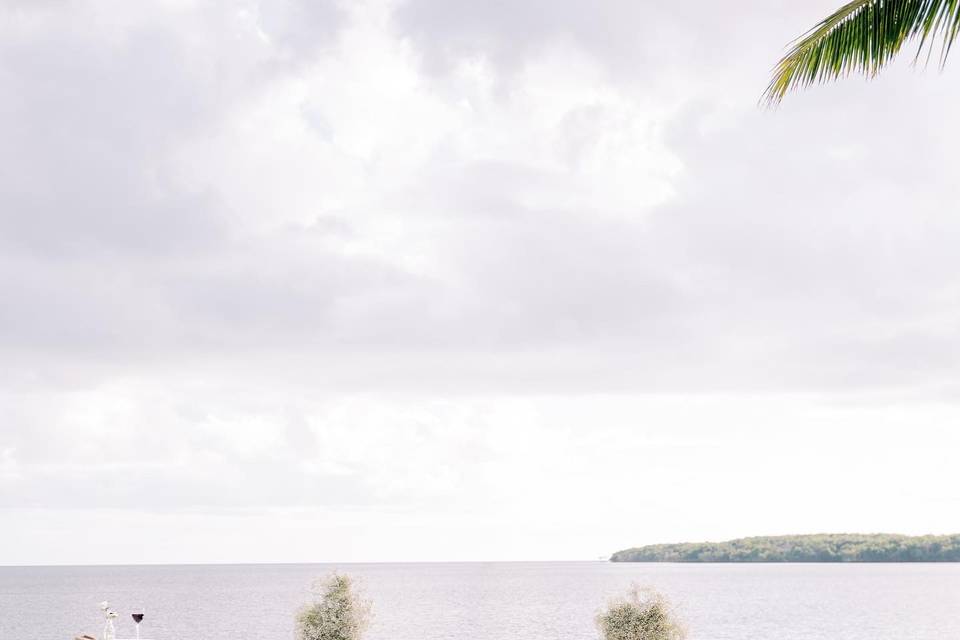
{"points": [[862, 37]]}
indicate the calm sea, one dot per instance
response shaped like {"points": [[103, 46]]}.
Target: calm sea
{"points": [[497, 601]]}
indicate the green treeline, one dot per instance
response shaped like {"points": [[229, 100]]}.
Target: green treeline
{"points": [[832, 547]]}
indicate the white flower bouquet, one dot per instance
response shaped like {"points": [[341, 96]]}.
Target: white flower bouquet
{"points": [[109, 615]]}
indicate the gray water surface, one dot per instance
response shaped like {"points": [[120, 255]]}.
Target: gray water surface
{"points": [[496, 601]]}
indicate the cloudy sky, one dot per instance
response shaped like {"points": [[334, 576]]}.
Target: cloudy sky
{"points": [[304, 280]]}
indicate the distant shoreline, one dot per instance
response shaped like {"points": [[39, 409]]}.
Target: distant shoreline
{"points": [[814, 548]]}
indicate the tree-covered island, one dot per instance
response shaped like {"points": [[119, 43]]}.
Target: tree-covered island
{"points": [[832, 547]]}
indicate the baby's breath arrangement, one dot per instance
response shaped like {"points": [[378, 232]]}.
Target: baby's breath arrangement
{"points": [[643, 614], [109, 615], [338, 613]]}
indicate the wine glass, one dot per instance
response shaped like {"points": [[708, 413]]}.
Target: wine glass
{"points": [[137, 616]]}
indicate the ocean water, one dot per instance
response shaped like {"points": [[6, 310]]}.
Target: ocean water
{"points": [[496, 601]]}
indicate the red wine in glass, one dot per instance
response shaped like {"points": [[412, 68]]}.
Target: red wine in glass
{"points": [[137, 616]]}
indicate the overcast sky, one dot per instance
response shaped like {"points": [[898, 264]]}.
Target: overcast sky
{"points": [[297, 280]]}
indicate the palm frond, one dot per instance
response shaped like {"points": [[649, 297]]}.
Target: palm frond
{"points": [[862, 37]]}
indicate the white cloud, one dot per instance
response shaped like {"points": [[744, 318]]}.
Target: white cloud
{"points": [[438, 280]]}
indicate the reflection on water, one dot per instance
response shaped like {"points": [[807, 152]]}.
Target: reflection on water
{"points": [[499, 601]]}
